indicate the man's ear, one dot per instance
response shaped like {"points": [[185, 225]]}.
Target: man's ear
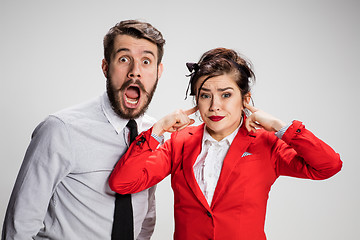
{"points": [[105, 67], [160, 70]]}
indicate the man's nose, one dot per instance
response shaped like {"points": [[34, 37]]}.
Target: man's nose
{"points": [[134, 71]]}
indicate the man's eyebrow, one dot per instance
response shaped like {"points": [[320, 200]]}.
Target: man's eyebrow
{"points": [[122, 49], [128, 50], [149, 52]]}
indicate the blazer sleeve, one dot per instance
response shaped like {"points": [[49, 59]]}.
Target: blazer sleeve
{"points": [[142, 166], [301, 154]]}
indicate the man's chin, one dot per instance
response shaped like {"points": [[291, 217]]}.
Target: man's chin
{"points": [[130, 112]]}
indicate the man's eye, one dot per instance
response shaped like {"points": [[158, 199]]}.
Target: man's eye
{"points": [[123, 59], [226, 95], [146, 61]]}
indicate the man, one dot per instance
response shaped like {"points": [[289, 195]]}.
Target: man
{"points": [[62, 190]]}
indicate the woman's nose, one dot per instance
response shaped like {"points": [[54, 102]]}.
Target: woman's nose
{"points": [[215, 104]]}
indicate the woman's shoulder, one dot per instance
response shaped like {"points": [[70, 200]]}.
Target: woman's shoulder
{"points": [[190, 131], [261, 135]]}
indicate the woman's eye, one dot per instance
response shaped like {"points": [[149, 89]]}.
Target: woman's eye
{"points": [[204, 95], [226, 95], [146, 61]]}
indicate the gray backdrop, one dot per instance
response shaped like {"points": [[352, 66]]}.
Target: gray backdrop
{"points": [[306, 58]]}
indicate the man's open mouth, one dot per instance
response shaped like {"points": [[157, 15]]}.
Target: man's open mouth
{"points": [[132, 96]]}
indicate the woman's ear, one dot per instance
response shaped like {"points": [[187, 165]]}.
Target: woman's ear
{"points": [[247, 98], [246, 102]]}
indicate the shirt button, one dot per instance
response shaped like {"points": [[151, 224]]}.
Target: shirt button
{"points": [[142, 140], [208, 213]]}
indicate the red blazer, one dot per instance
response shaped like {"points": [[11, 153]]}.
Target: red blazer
{"points": [[252, 164]]}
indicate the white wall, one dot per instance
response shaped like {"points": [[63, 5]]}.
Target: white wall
{"points": [[306, 58]]}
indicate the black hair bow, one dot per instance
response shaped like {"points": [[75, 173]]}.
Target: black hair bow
{"points": [[193, 68]]}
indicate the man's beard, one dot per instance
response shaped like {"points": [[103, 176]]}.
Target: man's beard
{"points": [[115, 98]]}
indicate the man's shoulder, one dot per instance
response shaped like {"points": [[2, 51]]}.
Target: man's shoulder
{"points": [[85, 110], [147, 122], [60, 120], [148, 119]]}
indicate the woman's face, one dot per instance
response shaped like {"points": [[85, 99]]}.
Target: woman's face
{"points": [[220, 105]]}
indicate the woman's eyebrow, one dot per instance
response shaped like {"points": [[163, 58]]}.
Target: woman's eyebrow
{"points": [[224, 89], [219, 89], [205, 89]]}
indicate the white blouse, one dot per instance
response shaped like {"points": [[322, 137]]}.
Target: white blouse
{"points": [[208, 164]]}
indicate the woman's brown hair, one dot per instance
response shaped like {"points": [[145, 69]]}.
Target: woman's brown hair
{"points": [[219, 61]]}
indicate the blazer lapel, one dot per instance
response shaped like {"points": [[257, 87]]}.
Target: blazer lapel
{"points": [[192, 149], [238, 147]]}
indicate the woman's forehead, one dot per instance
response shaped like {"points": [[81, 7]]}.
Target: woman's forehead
{"points": [[221, 81]]}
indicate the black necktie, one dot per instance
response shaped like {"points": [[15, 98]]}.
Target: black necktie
{"points": [[123, 225]]}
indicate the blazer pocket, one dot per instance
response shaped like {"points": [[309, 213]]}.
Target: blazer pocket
{"points": [[248, 157]]}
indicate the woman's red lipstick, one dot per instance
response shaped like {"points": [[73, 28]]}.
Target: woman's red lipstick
{"points": [[216, 118]]}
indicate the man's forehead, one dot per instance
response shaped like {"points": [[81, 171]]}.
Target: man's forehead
{"points": [[126, 43]]}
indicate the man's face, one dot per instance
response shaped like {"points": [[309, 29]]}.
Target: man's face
{"points": [[132, 75]]}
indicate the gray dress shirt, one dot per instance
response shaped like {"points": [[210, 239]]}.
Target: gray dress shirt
{"points": [[62, 189]]}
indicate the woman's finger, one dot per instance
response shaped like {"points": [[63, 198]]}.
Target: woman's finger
{"points": [[251, 108], [247, 124], [255, 125], [191, 110], [251, 124], [184, 126], [182, 120]]}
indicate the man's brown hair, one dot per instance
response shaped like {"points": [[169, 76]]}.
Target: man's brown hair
{"points": [[136, 29]]}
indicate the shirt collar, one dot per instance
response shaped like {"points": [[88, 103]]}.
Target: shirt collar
{"points": [[115, 120]]}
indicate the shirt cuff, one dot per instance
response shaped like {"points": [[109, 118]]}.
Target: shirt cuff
{"points": [[160, 139], [281, 132]]}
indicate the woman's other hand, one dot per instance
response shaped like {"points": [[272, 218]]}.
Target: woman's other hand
{"points": [[261, 119]]}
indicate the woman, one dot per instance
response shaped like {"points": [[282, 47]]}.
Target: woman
{"points": [[222, 171]]}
